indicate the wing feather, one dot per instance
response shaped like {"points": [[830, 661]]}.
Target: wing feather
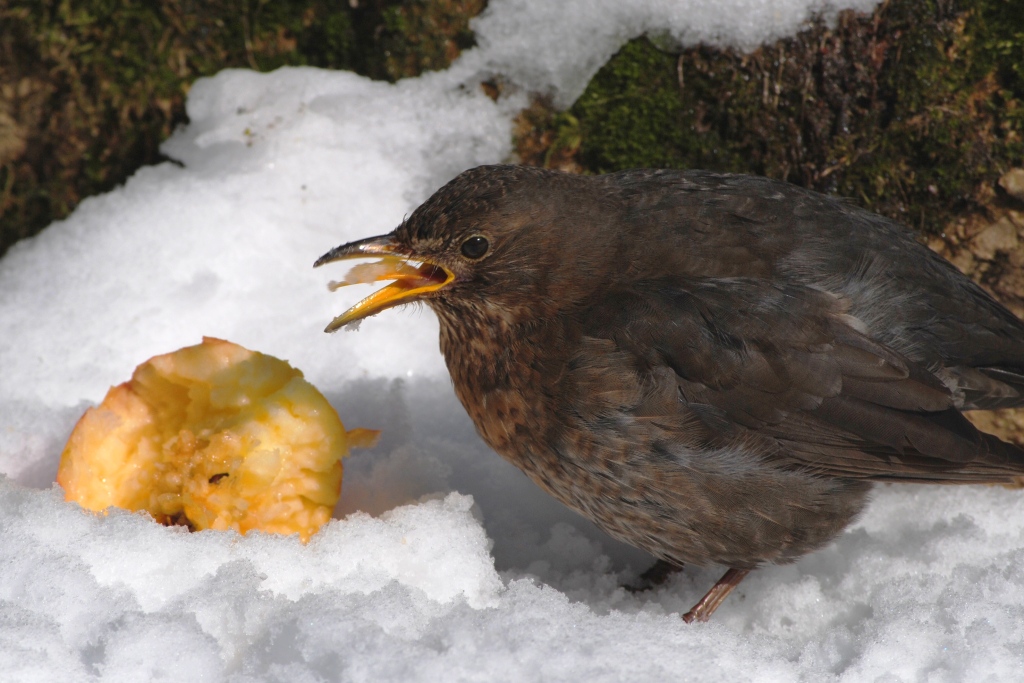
{"points": [[780, 367]]}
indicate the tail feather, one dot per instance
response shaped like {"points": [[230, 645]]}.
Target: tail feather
{"points": [[987, 388]]}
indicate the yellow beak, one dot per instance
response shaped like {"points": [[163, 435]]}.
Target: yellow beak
{"points": [[411, 279]]}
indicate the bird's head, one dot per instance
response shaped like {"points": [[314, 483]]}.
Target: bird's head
{"points": [[496, 238]]}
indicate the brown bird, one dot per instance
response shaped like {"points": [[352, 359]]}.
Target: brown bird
{"points": [[711, 367]]}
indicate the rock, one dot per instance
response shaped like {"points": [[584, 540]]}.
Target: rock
{"points": [[1000, 236], [1013, 182], [963, 260]]}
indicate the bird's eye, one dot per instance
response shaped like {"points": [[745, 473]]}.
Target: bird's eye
{"points": [[475, 247]]}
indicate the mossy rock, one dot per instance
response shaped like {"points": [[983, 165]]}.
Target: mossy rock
{"points": [[913, 111], [89, 89]]}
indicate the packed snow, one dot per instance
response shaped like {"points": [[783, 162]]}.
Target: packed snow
{"points": [[443, 562]]}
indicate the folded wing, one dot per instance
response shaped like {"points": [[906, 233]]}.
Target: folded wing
{"points": [[782, 369]]}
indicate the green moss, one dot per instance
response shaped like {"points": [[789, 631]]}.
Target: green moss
{"points": [[633, 115], [425, 35], [915, 111], [945, 135]]}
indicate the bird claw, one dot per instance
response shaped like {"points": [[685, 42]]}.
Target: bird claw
{"points": [[655, 575]]}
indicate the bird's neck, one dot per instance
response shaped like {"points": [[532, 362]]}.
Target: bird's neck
{"points": [[478, 346]]}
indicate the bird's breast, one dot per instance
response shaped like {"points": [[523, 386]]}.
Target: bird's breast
{"points": [[492, 379]]}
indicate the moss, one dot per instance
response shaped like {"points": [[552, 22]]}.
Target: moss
{"points": [[942, 138], [422, 35], [639, 91], [89, 89], [914, 111]]}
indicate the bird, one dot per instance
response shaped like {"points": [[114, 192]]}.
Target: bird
{"points": [[715, 368]]}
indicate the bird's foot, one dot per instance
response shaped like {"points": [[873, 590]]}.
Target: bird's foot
{"points": [[656, 575], [703, 610]]}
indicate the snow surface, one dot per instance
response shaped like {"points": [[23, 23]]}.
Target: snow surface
{"points": [[445, 563]]}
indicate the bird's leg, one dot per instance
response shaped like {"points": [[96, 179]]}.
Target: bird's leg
{"points": [[657, 574], [703, 610]]}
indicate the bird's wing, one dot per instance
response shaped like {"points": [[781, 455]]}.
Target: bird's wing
{"points": [[781, 366], [914, 300]]}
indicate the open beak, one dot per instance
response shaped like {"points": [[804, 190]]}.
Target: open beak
{"points": [[412, 276]]}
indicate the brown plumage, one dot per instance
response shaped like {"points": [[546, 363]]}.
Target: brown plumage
{"points": [[711, 367]]}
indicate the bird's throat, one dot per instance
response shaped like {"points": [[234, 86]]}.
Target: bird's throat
{"points": [[491, 362]]}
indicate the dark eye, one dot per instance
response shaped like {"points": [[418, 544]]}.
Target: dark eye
{"points": [[475, 247]]}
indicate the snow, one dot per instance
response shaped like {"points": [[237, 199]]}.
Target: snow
{"points": [[444, 562]]}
